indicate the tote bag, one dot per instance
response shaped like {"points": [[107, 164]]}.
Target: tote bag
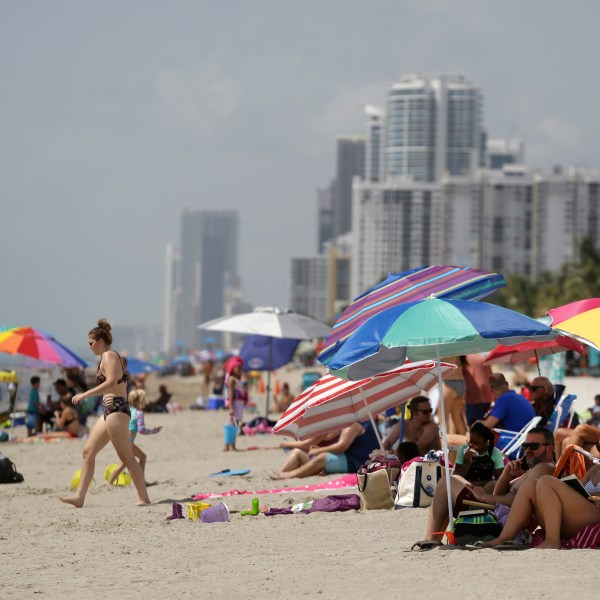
{"points": [[417, 484]]}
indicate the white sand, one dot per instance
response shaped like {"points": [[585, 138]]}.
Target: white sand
{"points": [[111, 548]]}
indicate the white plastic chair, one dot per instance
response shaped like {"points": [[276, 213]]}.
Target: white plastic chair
{"points": [[517, 437]]}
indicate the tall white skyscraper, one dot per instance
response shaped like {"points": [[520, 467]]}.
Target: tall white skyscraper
{"points": [[433, 126]]}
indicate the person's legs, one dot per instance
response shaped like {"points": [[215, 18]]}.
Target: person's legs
{"points": [[437, 519], [476, 412], [117, 426], [97, 440], [523, 508], [458, 415], [449, 398], [563, 511], [313, 467], [583, 435], [296, 458]]}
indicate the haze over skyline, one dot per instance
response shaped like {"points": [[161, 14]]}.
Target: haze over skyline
{"points": [[117, 116]]}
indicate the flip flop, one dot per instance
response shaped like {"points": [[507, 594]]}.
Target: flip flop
{"points": [[425, 545]]}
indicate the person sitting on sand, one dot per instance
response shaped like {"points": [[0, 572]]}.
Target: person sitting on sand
{"points": [[282, 401], [160, 404], [420, 428], [539, 459], [561, 511], [346, 455]]}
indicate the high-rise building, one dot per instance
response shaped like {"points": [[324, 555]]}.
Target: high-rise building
{"points": [[309, 286], [433, 126], [507, 151], [325, 215], [350, 163], [375, 144], [209, 263], [172, 291]]}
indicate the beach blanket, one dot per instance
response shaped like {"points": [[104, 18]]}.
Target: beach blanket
{"points": [[340, 503], [335, 484], [588, 537]]}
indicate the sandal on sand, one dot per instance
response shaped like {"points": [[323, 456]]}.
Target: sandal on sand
{"points": [[480, 545], [425, 545]]}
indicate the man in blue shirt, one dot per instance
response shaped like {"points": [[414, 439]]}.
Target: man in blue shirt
{"points": [[511, 411]]}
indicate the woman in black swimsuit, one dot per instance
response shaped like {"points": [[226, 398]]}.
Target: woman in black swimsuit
{"points": [[114, 427]]}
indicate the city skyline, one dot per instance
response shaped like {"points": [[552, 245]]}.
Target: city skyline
{"points": [[114, 124]]}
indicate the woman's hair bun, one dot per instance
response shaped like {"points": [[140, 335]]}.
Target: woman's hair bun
{"points": [[104, 324]]}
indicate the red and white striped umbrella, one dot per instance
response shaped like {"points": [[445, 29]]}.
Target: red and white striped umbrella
{"points": [[333, 403]]}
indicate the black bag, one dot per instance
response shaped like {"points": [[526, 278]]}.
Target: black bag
{"points": [[8, 471]]}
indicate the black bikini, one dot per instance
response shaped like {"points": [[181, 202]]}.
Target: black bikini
{"points": [[110, 402]]}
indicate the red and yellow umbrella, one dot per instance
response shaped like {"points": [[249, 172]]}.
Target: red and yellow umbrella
{"points": [[37, 344], [580, 320]]}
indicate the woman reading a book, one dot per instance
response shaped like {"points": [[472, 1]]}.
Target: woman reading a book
{"points": [[561, 510]]}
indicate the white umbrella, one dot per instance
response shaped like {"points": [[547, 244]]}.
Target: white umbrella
{"points": [[272, 322]]}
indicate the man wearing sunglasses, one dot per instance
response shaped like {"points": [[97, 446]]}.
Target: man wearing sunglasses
{"points": [[419, 429], [538, 459], [511, 411]]}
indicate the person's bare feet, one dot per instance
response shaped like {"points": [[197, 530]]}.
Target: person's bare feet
{"points": [[143, 503], [546, 545], [73, 500], [276, 475]]}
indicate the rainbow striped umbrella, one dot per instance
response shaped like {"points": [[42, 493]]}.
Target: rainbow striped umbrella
{"points": [[579, 319], [37, 344], [462, 283], [332, 403]]}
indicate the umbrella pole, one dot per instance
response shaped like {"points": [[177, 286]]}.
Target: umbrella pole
{"points": [[445, 444], [537, 362], [375, 428], [269, 377]]}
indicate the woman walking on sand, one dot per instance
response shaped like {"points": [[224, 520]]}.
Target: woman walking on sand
{"points": [[112, 385]]}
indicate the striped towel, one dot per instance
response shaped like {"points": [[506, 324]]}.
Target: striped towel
{"points": [[588, 537]]}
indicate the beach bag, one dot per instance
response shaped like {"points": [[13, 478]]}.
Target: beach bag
{"points": [[417, 484], [377, 481], [8, 471], [473, 525]]}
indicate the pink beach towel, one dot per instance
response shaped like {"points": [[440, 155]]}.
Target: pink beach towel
{"points": [[346, 481], [588, 537]]}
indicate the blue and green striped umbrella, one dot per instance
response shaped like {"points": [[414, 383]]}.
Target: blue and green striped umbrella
{"points": [[431, 329]]}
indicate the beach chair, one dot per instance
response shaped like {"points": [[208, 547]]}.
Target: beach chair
{"points": [[512, 440], [564, 409]]}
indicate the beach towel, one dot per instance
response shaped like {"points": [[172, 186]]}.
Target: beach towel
{"points": [[588, 537], [340, 503], [343, 482]]}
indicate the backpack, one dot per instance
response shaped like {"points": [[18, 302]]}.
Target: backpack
{"points": [[8, 471]]}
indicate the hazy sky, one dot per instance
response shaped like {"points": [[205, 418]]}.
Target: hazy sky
{"points": [[116, 115]]}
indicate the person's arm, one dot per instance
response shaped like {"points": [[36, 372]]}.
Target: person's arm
{"points": [[111, 363], [427, 440], [392, 436], [347, 436], [491, 422], [141, 425]]}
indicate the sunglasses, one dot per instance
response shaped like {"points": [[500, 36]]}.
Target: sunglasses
{"points": [[532, 388], [532, 445], [427, 411]]}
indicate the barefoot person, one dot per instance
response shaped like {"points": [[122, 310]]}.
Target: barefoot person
{"points": [[114, 427]]}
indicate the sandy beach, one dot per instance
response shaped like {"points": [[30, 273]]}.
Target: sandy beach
{"points": [[113, 548]]}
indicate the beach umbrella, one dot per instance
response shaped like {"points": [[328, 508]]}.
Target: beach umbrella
{"points": [[580, 320], [332, 403], [135, 366], [432, 329], [441, 281], [271, 322], [527, 350], [261, 352], [35, 343]]}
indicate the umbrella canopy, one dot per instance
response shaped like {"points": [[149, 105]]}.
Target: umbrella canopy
{"points": [[444, 281], [261, 353], [38, 344], [136, 366], [430, 329], [522, 352], [272, 322], [332, 403], [579, 319]]}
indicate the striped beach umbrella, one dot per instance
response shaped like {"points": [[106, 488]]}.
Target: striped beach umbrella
{"points": [[332, 403], [441, 281], [34, 343], [579, 319]]}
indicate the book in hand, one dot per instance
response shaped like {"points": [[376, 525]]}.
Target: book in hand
{"points": [[572, 481]]}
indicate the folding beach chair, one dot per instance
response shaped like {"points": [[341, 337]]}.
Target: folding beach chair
{"points": [[512, 440], [564, 409]]}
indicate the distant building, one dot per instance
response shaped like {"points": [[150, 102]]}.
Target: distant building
{"points": [[500, 152], [374, 164], [325, 198], [209, 260], [433, 126], [171, 297], [309, 286], [350, 163]]}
